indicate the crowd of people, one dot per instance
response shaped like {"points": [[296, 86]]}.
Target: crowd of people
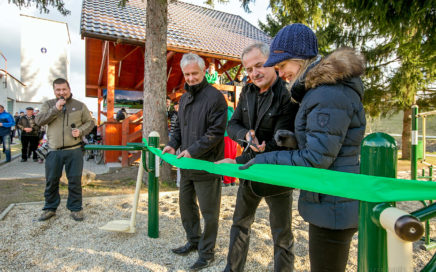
{"points": [[22, 127], [297, 108]]}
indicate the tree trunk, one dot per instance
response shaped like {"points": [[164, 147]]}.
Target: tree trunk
{"points": [[155, 79], [405, 139]]}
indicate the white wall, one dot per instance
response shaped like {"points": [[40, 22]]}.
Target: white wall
{"points": [[9, 92], [45, 56]]}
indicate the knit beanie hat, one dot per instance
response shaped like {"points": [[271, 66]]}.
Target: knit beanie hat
{"points": [[295, 41]]}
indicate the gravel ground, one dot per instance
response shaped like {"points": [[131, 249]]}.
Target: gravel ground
{"points": [[62, 244]]}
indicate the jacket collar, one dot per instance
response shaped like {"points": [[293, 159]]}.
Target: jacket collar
{"points": [[194, 89], [342, 66]]}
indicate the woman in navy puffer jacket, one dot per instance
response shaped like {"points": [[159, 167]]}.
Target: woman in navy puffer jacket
{"points": [[329, 128]]}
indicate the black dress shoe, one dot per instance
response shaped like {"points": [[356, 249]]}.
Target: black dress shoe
{"points": [[184, 250], [23, 160], [201, 263]]}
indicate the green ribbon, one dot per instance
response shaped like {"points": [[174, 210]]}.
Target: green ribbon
{"points": [[354, 186]]}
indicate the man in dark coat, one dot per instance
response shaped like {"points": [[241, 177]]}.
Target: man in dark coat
{"points": [[199, 132], [264, 107], [29, 135]]}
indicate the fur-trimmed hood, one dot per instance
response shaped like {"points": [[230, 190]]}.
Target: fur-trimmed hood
{"points": [[344, 65]]}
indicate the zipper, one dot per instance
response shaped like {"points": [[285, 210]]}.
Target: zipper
{"points": [[63, 130]]}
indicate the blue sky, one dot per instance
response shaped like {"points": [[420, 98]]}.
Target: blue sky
{"points": [[10, 36]]}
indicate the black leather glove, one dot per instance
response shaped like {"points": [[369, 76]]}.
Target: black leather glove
{"points": [[247, 165], [285, 138]]}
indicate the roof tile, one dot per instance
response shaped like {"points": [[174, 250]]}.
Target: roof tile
{"points": [[189, 26]]}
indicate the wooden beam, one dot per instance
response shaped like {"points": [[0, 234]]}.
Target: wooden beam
{"points": [[228, 65], [237, 73], [139, 84], [100, 98], [225, 71], [203, 54], [110, 95], [170, 55], [103, 62], [128, 54]]}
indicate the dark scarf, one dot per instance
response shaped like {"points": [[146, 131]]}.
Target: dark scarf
{"points": [[194, 89]]}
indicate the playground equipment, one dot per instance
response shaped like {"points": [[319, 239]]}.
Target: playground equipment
{"points": [[385, 232], [429, 243], [129, 226]]}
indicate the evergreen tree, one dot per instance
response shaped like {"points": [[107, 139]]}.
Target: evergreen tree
{"points": [[396, 37]]}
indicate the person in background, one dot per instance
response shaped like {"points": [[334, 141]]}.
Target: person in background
{"points": [[36, 111], [17, 133], [199, 132], [329, 129], [229, 149], [67, 120], [29, 135], [6, 122], [121, 115], [173, 123], [212, 74]]}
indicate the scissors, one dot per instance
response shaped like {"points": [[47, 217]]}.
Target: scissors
{"points": [[249, 143]]}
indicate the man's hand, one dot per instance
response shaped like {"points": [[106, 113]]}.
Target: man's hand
{"points": [[255, 146], [226, 161], [27, 129], [75, 132], [1, 124], [247, 165], [285, 138], [185, 154], [169, 149], [60, 104]]}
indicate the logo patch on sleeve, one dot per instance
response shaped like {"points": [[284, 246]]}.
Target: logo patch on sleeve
{"points": [[323, 119]]}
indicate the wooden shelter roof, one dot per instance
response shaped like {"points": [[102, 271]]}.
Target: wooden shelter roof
{"points": [[190, 27]]}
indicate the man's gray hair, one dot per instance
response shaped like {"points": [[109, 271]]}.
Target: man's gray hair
{"points": [[190, 58], [263, 48], [1, 106]]}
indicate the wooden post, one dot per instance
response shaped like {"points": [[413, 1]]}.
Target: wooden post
{"points": [[110, 98], [99, 99]]}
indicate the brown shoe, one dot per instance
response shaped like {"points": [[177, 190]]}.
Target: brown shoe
{"points": [[47, 214], [77, 216]]}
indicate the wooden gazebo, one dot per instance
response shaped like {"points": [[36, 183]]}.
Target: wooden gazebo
{"points": [[114, 44]]}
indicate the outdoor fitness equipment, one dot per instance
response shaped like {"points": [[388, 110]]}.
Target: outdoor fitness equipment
{"points": [[429, 243], [385, 233], [129, 226]]}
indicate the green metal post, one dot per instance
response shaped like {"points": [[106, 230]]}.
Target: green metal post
{"points": [[378, 158], [414, 159], [153, 188]]}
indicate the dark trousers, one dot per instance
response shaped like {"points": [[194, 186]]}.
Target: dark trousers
{"points": [[208, 194], [54, 163], [280, 217], [29, 143], [328, 248]]}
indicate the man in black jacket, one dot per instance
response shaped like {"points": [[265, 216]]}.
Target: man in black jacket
{"points": [[199, 132], [29, 135], [264, 107]]}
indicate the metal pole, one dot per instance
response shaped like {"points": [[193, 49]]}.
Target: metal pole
{"points": [[424, 145], [378, 158], [153, 188], [414, 160]]}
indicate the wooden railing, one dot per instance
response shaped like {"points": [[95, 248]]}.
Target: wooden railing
{"points": [[131, 132]]}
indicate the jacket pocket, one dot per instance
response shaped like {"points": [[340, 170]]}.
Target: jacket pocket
{"points": [[75, 118], [311, 197]]}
